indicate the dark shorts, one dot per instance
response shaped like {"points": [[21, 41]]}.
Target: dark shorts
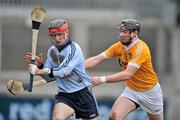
{"points": [[82, 102]]}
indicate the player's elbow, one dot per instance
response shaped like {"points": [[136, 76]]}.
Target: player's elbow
{"points": [[128, 75]]}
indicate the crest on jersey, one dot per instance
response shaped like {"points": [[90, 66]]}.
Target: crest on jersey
{"points": [[129, 55], [54, 57], [61, 58], [57, 59], [118, 54]]}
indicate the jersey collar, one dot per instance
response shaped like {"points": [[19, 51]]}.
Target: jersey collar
{"points": [[135, 41]]}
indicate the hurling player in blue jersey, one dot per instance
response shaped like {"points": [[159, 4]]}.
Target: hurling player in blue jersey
{"points": [[65, 64]]}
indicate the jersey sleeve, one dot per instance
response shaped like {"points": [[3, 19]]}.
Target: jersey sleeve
{"points": [[111, 51], [139, 56], [48, 63]]}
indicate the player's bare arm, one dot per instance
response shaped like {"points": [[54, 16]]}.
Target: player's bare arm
{"points": [[117, 77], [95, 60]]}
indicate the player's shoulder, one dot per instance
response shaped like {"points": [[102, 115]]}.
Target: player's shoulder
{"points": [[52, 47], [76, 45], [143, 44], [117, 44]]}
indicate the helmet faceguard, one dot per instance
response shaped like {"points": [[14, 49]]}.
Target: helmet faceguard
{"points": [[131, 25], [58, 26]]}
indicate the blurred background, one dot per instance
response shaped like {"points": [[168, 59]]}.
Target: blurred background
{"points": [[93, 26]]}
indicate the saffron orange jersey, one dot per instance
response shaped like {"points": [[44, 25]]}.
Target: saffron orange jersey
{"points": [[137, 54]]}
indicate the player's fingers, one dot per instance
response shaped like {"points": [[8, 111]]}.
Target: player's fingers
{"points": [[32, 69], [39, 59], [28, 61], [29, 53], [29, 67], [28, 57]]}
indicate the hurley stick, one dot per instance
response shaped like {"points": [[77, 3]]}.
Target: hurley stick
{"points": [[16, 87], [37, 16]]}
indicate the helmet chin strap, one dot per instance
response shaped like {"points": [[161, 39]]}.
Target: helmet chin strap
{"points": [[128, 42], [60, 47]]}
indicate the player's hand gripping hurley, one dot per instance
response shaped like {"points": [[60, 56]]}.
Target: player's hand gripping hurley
{"points": [[37, 16]]}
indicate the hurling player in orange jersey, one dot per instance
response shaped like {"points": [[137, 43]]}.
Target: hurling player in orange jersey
{"points": [[142, 88]]}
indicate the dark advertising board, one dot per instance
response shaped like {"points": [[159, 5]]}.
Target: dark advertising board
{"points": [[22, 108]]}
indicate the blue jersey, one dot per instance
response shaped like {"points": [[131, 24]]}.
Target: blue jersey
{"points": [[68, 68]]}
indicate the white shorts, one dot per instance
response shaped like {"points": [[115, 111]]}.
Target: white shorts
{"points": [[150, 101]]}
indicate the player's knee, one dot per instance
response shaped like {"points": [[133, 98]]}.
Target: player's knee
{"points": [[58, 117], [115, 116]]}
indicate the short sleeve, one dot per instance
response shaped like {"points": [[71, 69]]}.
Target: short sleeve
{"points": [[111, 51]]}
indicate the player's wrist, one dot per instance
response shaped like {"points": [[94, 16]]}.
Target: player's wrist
{"points": [[40, 65], [103, 79]]}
